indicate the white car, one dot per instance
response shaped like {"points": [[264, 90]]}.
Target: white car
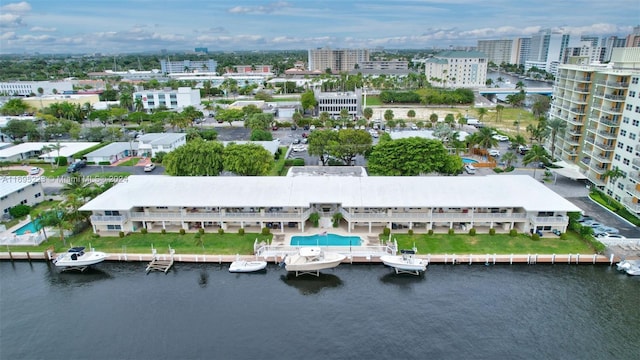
{"points": [[494, 152], [149, 167], [299, 148], [470, 169], [34, 171], [414, 127], [611, 236], [500, 137]]}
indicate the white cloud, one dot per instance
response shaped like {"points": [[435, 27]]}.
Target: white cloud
{"points": [[10, 20], [43, 29], [21, 7], [262, 9]]}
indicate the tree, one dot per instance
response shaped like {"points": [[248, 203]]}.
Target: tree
{"points": [[499, 110], [260, 121], [261, 135], [484, 138], [537, 154], [57, 147], [450, 120], [349, 143], [613, 174], [138, 104], [14, 107], [190, 114], [411, 114], [230, 115], [247, 159], [540, 106], [516, 100], [557, 126], [195, 158], [18, 129], [481, 113], [308, 101], [433, 118], [126, 100], [508, 158], [412, 157], [367, 113], [250, 110], [56, 217], [388, 115], [319, 143]]}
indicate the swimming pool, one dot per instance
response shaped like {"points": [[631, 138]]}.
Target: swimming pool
{"points": [[29, 228], [469, 161], [325, 239]]}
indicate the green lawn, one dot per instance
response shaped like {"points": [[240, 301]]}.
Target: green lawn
{"points": [[496, 244], [373, 101], [130, 162], [14, 173]]}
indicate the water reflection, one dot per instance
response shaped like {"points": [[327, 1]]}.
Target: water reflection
{"points": [[76, 278], [311, 284], [402, 281]]}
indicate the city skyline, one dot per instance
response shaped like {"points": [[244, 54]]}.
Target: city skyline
{"points": [[121, 26]]}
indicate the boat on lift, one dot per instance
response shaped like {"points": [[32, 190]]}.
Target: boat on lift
{"points": [[406, 263], [631, 267], [312, 259], [77, 259]]}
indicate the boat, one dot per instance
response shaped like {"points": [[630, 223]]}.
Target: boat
{"points": [[406, 263], [312, 259], [244, 266], [77, 259], [631, 267]]}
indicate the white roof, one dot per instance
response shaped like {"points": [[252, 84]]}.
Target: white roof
{"points": [[571, 171], [161, 138], [113, 149], [69, 148], [301, 191], [271, 146], [11, 184]]}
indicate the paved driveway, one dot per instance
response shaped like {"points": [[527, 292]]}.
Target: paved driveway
{"points": [[605, 217]]}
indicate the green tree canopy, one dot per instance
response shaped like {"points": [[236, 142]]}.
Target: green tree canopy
{"points": [[349, 143], [411, 157], [308, 100], [261, 135], [247, 159], [230, 115], [14, 107], [195, 158], [319, 142], [260, 121], [17, 129]]}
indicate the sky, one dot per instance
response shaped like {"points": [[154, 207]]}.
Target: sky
{"points": [[119, 26]]}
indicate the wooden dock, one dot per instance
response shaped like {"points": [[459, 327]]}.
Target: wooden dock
{"points": [[160, 265]]}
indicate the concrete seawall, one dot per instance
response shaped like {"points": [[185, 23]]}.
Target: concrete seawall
{"points": [[435, 259]]}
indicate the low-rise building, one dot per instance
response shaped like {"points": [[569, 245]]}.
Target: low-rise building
{"points": [[170, 99], [334, 102], [457, 69], [151, 144], [30, 88], [365, 204], [20, 190], [112, 153]]}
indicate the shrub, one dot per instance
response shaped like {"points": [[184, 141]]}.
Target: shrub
{"points": [[104, 163], [201, 231], [315, 219], [492, 231], [182, 231], [265, 231], [221, 231], [513, 232], [472, 231], [535, 237], [451, 232], [164, 231], [498, 170], [386, 231], [197, 235], [430, 232], [61, 161], [19, 211], [410, 232], [121, 234], [241, 231], [143, 230]]}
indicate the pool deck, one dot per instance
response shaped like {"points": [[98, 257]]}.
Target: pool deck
{"points": [[7, 237]]}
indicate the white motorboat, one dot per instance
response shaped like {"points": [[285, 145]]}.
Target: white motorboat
{"points": [[77, 259], [244, 266], [407, 262], [312, 259], [631, 267]]}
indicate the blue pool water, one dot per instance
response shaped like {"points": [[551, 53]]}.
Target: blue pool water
{"points": [[469, 161], [27, 228], [325, 240]]}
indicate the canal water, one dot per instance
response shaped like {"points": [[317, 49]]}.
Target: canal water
{"points": [[201, 311]]}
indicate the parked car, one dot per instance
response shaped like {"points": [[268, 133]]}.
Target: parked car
{"points": [[494, 152], [76, 166], [470, 169], [304, 140], [605, 230], [34, 171], [605, 236], [501, 137], [296, 141], [149, 167], [523, 149]]}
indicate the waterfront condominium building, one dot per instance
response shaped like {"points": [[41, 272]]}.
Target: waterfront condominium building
{"points": [[187, 66], [337, 60], [498, 51], [523, 47], [546, 52], [457, 69], [600, 105]]}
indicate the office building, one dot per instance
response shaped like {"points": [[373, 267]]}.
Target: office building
{"points": [[187, 66], [601, 107], [337, 60], [457, 69], [33, 88], [170, 99], [334, 102]]}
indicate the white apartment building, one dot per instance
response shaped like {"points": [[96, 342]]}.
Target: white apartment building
{"points": [[187, 66], [601, 107], [20, 190], [547, 48], [30, 88], [334, 102], [171, 99], [499, 51], [153, 143], [336, 59], [384, 65], [457, 69]]}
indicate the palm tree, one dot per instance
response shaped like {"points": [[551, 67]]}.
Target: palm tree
{"points": [[508, 158], [55, 217], [613, 174], [433, 118], [485, 139], [57, 147], [481, 113], [138, 105], [556, 125], [537, 154], [499, 109]]}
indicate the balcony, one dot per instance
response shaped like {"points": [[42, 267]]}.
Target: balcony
{"points": [[604, 146], [613, 84], [607, 134], [610, 122], [583, 90], [636, 162], [598, 170], [574, 120], [103, 219], [576, 111], [590, 140], [633, 189], [603, 159], [614, 97], [538, 220], [635, 175]]}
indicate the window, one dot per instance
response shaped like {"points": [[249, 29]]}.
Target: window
{"points": [[620, 145], [634, 80], [635, 122], [625, 120], [629, 149], [620, 186], [632, 94], [609, 192], [114, 227], [617, 157], [623, 132], [628, 107], [37, 195], [632, 136], [617, 197], [625, 161]]}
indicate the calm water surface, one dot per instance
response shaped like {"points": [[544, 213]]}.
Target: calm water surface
{"points": [[199, 311]]}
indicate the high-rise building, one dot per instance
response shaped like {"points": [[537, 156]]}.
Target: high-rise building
{"points": [[336, 60], [457, 69], [547, 49], [523, 48], [600, 105], [609, 43], [498, 51], [633, 39]]}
